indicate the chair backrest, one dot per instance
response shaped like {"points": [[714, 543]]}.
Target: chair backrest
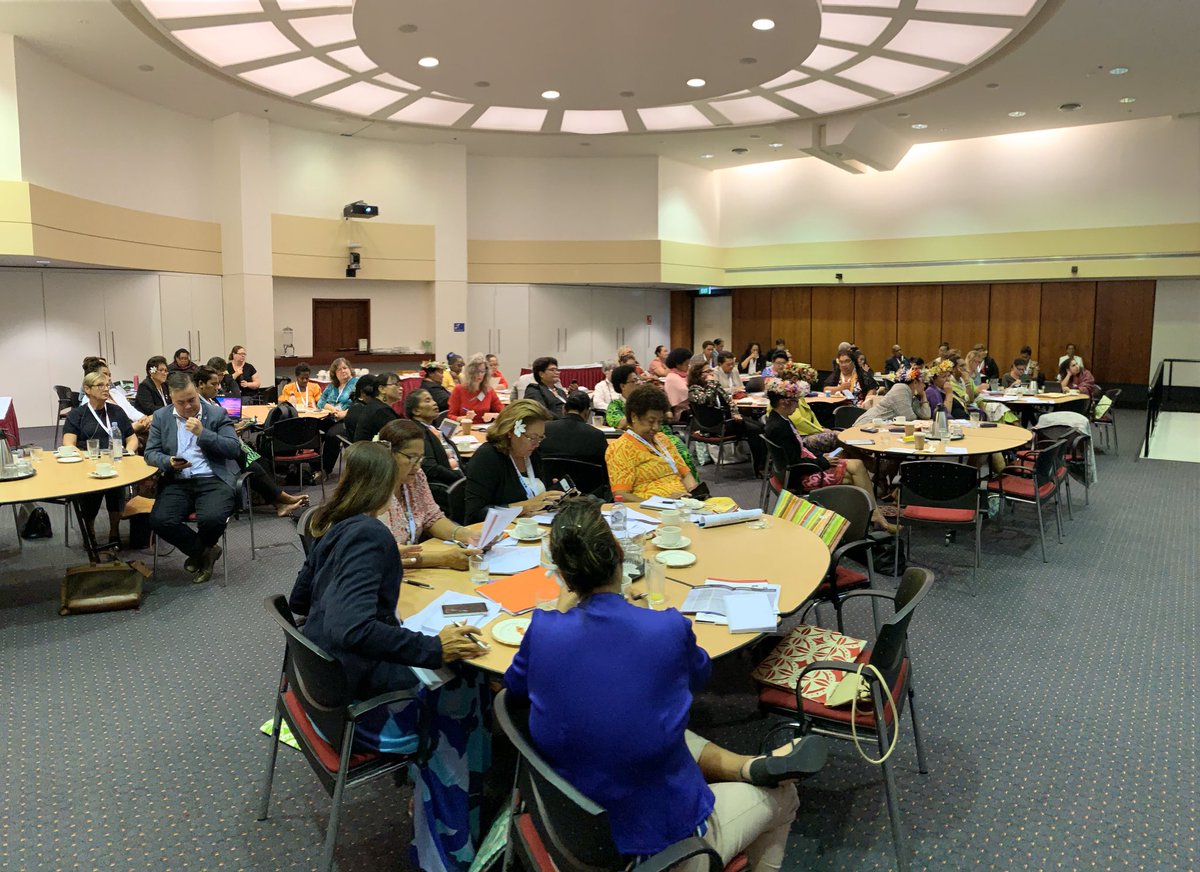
{"points": [[590, 478], [289, 435], [777, 466], [941, 484], [889, 648], [852, 503], [68, 398], [304, 529], [574, 830], [282, 412], [845, 416], [708, 419], [316, 678], [754, 384], [456, 501]]}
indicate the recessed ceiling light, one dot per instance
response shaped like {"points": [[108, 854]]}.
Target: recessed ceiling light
{"points": [[1017, 114], [706, 156], [407, 28], [739, 150], [428, 62], [1127, 100], [919, 126], [902, 115], [1070, 107], [763, 24], [146, 68], [747, 61], [992, 85], [550, 95], [774, 145], [1118, 71], [627, 93], [483, 83], [696, 83]]}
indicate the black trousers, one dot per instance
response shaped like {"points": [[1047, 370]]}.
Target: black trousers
{"points": [[752, 429], [89, 504], [212, 501], [332, 446], [262, 482]]}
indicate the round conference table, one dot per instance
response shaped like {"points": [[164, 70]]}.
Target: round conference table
{"points": [[975, 441], [58, 482], [781, 553]]}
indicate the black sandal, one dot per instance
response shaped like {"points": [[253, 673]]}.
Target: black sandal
{"points": [[806, 757]]}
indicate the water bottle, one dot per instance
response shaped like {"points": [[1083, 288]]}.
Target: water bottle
{"points": [[619, 522], [939, 423], [114, 440]]}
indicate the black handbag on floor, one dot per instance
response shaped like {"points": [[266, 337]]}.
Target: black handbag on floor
{"points": [[35, 523]]}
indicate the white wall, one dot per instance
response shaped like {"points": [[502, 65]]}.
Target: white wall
{"points": [[24, 349], [1177, 328], [84, 139], [513, 198], [1104, 175], [688, 204], [712, 318], [401, 312]]}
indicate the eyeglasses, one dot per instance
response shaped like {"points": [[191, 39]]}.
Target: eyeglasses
{"points": [[533, 437], [411, 458]]}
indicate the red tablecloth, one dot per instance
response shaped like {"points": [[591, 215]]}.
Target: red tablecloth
{"points": [[8, 421], [587, 376]]}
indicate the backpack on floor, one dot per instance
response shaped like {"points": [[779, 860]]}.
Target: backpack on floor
{"points": [[35, 523]]}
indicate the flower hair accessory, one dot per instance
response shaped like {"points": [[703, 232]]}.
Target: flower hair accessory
{"points": [[939, 367], [907, 376], [519, 428], [428, 366], [783, 389]]}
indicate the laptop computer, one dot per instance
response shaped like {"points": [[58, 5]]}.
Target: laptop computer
{"points": [[232, 405]]}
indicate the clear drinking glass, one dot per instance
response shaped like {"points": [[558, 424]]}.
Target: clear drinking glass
{"points": [[36, 453], [656, 585], [974, 416], [477, 565], [93, 448]]}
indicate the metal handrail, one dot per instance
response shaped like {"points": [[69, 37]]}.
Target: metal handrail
{"points": [[1158, 391]]}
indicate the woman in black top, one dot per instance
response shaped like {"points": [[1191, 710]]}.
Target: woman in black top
{"points": [[367, 416], [183, 361], [703, 390], [506, 470], [228, 387], [152, 392], [244, 375], [431, 381], [545, 387], [94, 420]]}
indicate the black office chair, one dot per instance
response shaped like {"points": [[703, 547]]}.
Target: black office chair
{"points": [[293, 442], [315, 699], [708, 428], [555, 828], [778, 473], [67, 399], [940, 493], [844, 417], [456, 501], [590, 478], [754, 384]]}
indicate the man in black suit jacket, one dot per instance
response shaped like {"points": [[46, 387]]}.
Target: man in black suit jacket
{"points": [[572, 436], [197, 449], [896, 362]]}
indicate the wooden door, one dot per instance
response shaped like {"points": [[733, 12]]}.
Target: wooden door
{"points": [[1124, 330], [875, 325], [683, 307], [339, 324], [832, 324], [1015, 321], [1068, 315], [791, 321], [964, 316], [751, 319], [918, 322]]}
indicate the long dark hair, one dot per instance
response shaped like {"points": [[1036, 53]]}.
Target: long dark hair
{"points": [[365, 487]]}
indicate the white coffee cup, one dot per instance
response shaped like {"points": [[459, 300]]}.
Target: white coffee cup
{"points": [[105, 469], [668, 537], [670, 517], [526, 528], [899, 419]]}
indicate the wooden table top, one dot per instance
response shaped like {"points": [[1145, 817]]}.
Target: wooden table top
{"points": [[55, 481], [259, 413], [759, 400], [1047, 399], [975, 441], [782, 553]]}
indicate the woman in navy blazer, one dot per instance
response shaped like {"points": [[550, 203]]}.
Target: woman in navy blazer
{"points": [[610, 688], [348, 588]]}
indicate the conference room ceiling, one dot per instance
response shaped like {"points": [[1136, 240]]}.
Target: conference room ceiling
{"points": [[822, 76]]}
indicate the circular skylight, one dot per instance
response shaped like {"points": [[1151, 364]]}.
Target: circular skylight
{"points": [[624, 66]]}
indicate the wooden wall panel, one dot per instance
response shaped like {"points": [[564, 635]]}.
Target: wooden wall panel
{"points": [[832, 322], [791, 320], [875, 322], [918, 321], [683, 309], [1068, 315], [752, 318], [1015, 320], [964, 316], [1124, 328]]}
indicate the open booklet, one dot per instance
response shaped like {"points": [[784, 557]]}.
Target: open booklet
{"points": [[745, 606]]}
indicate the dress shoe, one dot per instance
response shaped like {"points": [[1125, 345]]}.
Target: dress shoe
{"points": [[207, 561]]}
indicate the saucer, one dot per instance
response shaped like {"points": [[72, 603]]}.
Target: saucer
{"points": [[94, 474], [511, 632], [531, 538], [70, 458], [677, 559], [683, 542], [691, 503]]}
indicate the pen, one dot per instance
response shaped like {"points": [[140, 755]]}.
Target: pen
{"points": [[418, 584], [680, 581], [482, 644]]}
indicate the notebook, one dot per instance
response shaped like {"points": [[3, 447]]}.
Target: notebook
{"points": [[750, 613], [232, 405], [520, 593]]}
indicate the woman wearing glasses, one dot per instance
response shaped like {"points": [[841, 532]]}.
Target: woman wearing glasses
{"points": [[506, 470], [545, 387], [413, 515]]}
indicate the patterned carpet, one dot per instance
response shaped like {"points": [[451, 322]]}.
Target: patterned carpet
{"points": [[1058, 705]]}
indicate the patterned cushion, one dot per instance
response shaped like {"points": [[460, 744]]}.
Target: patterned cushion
{"points": [[780, 699], [804, 645]]}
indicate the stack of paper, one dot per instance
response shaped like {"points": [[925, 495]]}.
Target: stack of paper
{"points": [[750, 613], [494, 522], [660, 503], [735, 517], [511, 559], [710, 603]]}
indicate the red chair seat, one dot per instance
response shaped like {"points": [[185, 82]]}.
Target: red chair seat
{"points": [[1020, 487], [776, 484], [306, 454], [326, 753], [945, 516], [843, 578], [786, 699]]}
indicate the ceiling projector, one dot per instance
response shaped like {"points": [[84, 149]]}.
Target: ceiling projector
{"points": [[359, 209]]}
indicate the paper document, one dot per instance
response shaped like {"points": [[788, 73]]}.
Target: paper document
{"points": [[750, 613], [859, 441], [511, 559], [708, 602], [431, 621], [660, 503], [727, 518], [495, 522], [950, 450]]}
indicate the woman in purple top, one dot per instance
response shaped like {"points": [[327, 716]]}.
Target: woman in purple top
{"points": [[610, 687]]}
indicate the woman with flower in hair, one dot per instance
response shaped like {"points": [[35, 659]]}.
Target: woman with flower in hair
{"points": [[906, 398], [783, 396], [939, 392], [507, 470], [817, 439]]}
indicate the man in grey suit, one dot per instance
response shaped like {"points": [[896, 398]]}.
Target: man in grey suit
{"points": [[197, 449]]}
